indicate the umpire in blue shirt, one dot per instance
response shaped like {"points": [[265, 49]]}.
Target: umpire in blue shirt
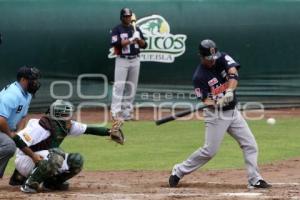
{"points": [[14, 103]]}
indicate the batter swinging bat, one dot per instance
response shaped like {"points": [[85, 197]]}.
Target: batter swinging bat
{"points": [[133, 21], [179, 114]]}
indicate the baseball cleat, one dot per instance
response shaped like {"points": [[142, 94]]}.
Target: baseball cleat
{"points": [[27, 189], [173, 180], [261, 184], [56, 186]]}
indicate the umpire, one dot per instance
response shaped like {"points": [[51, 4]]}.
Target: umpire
{"points": [[14, 103]]}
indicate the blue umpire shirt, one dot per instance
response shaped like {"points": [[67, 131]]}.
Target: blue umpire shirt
{"points": [[14, 104]]}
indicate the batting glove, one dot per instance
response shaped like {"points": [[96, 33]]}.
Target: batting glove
{"points": [[226, 99]]}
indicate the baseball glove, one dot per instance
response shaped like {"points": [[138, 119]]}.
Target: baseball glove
{"points": [[116, 134]]}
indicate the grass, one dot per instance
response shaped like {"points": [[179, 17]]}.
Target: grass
{"points": [[149, 147]]}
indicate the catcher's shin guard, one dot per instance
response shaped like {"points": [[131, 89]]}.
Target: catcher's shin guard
{"points": [[59, 181], [44, 170]]}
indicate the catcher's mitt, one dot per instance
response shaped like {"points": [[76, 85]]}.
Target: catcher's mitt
{"points": [[116, 134]]}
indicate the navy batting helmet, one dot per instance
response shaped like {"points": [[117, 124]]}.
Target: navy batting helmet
{"points": [[208, 49], [125, 12]]}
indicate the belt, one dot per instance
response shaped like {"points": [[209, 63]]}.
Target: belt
{"points": [[129, 57]]}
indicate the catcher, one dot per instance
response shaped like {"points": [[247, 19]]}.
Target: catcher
{"points": [[44, 137]]}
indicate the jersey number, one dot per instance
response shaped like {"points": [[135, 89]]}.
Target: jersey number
{"points": [[126, 49], [229, 60]]}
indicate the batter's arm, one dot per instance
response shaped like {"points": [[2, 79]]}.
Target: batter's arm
{"points": [[232, 78], [141, 42]]}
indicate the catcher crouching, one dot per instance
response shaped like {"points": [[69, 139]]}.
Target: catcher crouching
{"points": [[44, 137]]}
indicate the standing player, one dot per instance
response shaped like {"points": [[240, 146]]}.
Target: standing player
{"points": [[127, 43], [14, 103], [215, 80], [44, 137]]}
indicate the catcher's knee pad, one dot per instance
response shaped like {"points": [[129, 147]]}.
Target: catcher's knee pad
{"points": [[75, 162], [56, 158]]}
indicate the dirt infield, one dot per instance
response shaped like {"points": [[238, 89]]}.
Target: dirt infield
{"points": [[152, 185]]}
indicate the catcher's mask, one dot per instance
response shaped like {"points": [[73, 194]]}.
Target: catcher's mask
{"points": [[61, 110]]}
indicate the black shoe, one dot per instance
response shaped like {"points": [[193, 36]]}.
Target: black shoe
{"points": [[56, 186], [261, 184], [17, 179], [173, 180]]}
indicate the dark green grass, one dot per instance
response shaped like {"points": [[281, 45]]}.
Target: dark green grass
{"points": [[149, 147]]}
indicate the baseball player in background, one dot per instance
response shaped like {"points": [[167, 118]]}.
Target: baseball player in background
{"points": [[44, 137], [126, 40], [14, 103], [215, 81]]}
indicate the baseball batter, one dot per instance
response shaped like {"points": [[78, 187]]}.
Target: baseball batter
{"points": [[44, 137], [215, 81], [127, 41]]}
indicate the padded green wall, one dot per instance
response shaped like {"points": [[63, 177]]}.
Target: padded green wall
{"points": [[69, 37]]}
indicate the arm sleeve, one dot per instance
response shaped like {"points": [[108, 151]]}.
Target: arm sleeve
{"points": [[201, 89], [33, 133], [115, 38], [97, 130], [7, 103], [230, 62], [77, 128]]}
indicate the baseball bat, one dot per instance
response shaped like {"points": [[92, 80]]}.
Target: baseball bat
{"points": [[133, 21], [179, 114]]}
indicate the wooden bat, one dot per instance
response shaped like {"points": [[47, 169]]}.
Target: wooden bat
{"points": [[179, 114], [133, 21]]}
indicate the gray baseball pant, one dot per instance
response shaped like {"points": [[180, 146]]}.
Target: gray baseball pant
{"points": [[7, 150], [124, 90], [216, 125]]}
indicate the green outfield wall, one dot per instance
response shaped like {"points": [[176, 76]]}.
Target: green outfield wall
{"points": [[66, 38]]}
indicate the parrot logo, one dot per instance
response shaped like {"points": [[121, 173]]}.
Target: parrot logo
{"points": [[163, 46]]}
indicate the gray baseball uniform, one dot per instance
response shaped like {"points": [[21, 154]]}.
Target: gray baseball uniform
{"points": [[127, 65], [212, 83]]}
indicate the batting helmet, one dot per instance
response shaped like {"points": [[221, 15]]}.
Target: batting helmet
{"points": [[125, 12], [61, 109], [208, 49]]}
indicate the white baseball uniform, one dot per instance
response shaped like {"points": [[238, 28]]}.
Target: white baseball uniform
{"points": [[34, 133]]}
